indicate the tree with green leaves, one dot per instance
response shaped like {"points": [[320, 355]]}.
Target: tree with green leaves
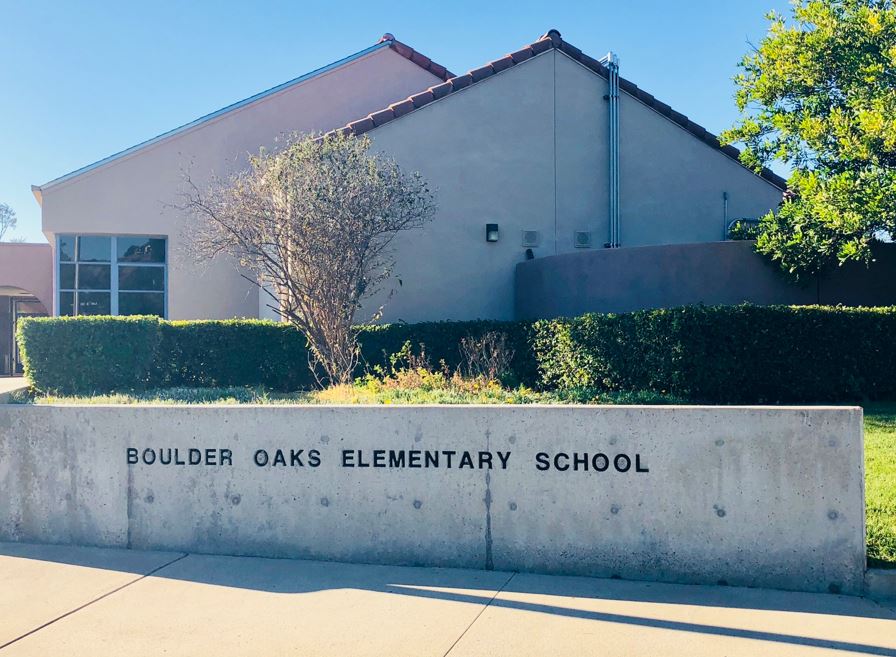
{"points": [[819, 94]]}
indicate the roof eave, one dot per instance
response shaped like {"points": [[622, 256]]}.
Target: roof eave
{"points": [[387, 41], [551, 40]]}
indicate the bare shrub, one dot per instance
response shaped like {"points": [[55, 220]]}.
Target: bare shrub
{"points": [[487, 357], [313, 225]]}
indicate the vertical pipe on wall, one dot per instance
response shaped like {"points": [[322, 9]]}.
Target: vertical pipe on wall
{"points": [[724, 216], [612, 63]]}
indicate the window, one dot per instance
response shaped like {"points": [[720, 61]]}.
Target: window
{"points": [[119, 275]]}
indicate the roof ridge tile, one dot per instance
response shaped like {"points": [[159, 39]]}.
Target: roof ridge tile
{"points": [[416, 57]]}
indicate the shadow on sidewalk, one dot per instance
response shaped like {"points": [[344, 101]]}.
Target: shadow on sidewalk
{"points": [[478, 587]]}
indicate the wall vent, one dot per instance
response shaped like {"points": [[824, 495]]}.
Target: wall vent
{"points": [[531, 238], [582, 239]]}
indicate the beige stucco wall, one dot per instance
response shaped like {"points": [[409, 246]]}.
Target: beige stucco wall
{"points": [[527, 149], [28, 268], [131, 195]]}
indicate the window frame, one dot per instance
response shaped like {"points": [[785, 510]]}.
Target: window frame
{"points": [[114, 264]]}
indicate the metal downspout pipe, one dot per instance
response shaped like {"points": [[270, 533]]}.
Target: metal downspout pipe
{"points": [[612, 63]]}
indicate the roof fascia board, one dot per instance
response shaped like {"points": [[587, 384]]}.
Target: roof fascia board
{"points": [[202, 120]]}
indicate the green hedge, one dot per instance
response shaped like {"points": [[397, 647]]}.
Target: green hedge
{"points": [[101, 354], [727, 354], [86, 354]]}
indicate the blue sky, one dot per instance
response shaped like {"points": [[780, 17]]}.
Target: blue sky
{"points": [[82, 80]]}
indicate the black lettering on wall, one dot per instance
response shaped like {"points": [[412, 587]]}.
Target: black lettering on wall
{"points": [[557, 458], [261, 457], [638, 467], [226, 456], [132, 456], [313, 458], [347, 460], [503, 457], [541, 461], [625, 460]]}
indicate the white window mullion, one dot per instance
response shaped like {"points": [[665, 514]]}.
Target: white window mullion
{"points": [[113, 276], [56, 301]]}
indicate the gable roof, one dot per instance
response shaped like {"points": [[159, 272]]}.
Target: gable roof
{"points": [[551, 40], [387, 41]]}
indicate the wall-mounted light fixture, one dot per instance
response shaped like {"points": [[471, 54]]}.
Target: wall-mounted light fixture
{"points": [[491, 233]]}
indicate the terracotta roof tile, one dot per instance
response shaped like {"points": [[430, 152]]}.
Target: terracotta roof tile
{"points": [[482, 72], [439, 71], [554, 36], [521, 55], [402, 108], [593, 64], [419, 59], [570, 50], [361, 125], [461, 81], [405, 51], [661, 107], [441, 90], [542, 45], [500, 64], [383, 116], [550, 40], [422, 98]]}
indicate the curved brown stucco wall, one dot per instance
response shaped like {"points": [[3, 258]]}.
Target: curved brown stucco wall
{"points": [[621, 280], [28, 267]]}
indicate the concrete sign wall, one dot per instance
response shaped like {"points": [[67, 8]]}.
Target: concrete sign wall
{"points": [[749, 496]]}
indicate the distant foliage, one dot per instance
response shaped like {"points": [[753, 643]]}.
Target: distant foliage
{"points": [[7, 220]]}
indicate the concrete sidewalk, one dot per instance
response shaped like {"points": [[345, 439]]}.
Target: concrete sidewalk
{"points": [[88, 601], [10, 383]]}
